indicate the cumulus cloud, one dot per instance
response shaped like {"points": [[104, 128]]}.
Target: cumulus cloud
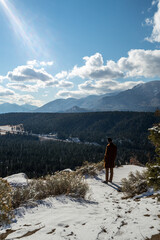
{"points": [[27, 78], [141, 63], [61, 75], [5, 92], [65, 84], [19, 99], [74, 94], [107, 86], [46, 63], [26, 87], [155, 35], [1, 79], [29, 99], [98, 77], [33, 63], [154, 2], [28, 73], [149, 21], [98, 87], [95, 69], [39, 63], [138, 63]]}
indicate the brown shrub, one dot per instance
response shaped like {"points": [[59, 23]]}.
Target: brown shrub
{"points": [[135, 184], [68, 183], [6, 210]]}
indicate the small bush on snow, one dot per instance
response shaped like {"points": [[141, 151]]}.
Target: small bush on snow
{"points": [[6, 213], [90, 169], [69, 183], [135, 184]]}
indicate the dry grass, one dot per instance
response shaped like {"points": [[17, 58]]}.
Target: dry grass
{"points": [[68, 183], [135, 184], [90, 169], [6, 213]]}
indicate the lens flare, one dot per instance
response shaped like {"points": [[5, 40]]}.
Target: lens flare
{"points": [[26, 34]]}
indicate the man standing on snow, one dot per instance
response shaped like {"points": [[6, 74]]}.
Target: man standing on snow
{"points": [[109, 159]]}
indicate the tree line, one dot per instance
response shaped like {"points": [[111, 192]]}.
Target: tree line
{"points": [[19, 153]]}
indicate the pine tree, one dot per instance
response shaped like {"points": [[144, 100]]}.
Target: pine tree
{"points": [[154, 168]]}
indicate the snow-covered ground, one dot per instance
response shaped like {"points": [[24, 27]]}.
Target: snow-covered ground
{"points": [[19, 179], [103, 215], [12, 129], [6, 128]]}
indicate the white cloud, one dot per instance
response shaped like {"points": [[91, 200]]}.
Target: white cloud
{"points": [[33, 63], [98, 78], [69, 94], [7, 95], [65, 84], [36, 63], [98, 87], [46, 63], [95, 69], [12, 97], [29, 99], [149, 21], [27, 73], [61, 75], [1, 79], [140, 63], [27, 78], [5, 92], [154, 2], [26, 87], [106, 86], [155, 36]]}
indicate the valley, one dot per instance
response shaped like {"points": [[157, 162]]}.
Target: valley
{"points": [[49, 142]]}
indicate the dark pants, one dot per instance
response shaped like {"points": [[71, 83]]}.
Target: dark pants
{"points": [[107, 174]]}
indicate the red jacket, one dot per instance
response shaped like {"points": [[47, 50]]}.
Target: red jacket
{"points": [[110, 155]]}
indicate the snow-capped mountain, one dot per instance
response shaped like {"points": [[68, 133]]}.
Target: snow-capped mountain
{"points": [[143, 97]]}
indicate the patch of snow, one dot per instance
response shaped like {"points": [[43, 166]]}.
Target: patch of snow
{"points": [[103, 215], [18, 179], [67, 170]]}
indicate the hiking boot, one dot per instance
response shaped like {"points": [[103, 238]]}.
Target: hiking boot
{"points": [[105, 182]]}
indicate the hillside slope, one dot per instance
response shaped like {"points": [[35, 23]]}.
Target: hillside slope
{"points": [[8, 107], [142, 97], [103, 215]]}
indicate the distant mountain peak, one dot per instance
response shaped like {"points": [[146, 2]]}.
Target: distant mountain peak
{"points": [[12, 107], [142, 97], [76, 109]]}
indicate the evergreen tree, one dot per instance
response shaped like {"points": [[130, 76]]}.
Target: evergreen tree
{"points": [[154, 168]]}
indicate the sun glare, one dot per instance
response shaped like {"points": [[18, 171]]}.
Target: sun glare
{"points": [[25, 33]]}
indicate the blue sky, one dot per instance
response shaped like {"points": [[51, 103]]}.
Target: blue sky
{"points": [[53, 49]]}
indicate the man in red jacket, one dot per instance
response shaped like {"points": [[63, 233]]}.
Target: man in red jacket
{"points": [[109, 159]]}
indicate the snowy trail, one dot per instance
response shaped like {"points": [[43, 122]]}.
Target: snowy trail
{"points": [[104, 215]]}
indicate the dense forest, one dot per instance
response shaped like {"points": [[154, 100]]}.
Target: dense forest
{"points": [[19, 153], [27, 154]]}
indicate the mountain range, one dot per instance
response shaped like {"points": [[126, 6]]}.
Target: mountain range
{"points": [[142, 97], [8, 107]]}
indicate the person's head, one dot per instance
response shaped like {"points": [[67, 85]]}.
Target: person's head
{"points": [[109, 140]]}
